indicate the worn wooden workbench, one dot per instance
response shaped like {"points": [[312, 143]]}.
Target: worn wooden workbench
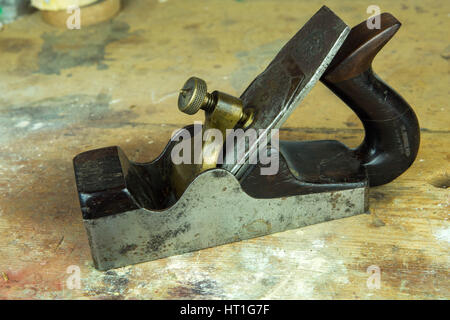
{"points": [[64, 92]]}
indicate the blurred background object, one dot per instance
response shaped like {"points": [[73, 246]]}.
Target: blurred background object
{"points": [[60, 13], [55, 5], [11, 9]]}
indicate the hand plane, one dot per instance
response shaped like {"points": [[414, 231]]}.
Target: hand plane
{"points": [[186, 200]]}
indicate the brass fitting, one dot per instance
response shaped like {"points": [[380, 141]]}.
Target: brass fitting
{"points": [[194, 96], [223, 110]]}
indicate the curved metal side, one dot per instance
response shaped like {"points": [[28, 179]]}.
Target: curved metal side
{"points": [[214, 210]]}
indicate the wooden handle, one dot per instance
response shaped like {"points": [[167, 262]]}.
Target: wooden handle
{"points": [[392, 130]]}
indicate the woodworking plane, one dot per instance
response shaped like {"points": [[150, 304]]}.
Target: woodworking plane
{"points": [[186, 200]]}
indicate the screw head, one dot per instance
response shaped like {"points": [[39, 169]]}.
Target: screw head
{"points": [[192, 95]]}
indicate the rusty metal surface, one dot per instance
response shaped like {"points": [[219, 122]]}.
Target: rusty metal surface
{"points": [[280, 88], [214, 210]]}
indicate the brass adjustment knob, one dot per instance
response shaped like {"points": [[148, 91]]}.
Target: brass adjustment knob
{"points": [[194, 96], [224, 111]]}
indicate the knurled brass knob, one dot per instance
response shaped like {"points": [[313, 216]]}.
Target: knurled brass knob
{"points": [[194, 96], [221, 108]]}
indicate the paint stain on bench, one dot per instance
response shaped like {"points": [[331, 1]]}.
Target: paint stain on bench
{"points": [[84, 47]]}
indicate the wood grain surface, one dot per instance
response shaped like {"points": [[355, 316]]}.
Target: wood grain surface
{"points": [[67, 91]]}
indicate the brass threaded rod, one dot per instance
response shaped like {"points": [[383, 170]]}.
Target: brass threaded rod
{"points": [[209, 103]]}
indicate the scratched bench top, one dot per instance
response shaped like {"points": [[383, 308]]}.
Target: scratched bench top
{"points": [[68, 91]]}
